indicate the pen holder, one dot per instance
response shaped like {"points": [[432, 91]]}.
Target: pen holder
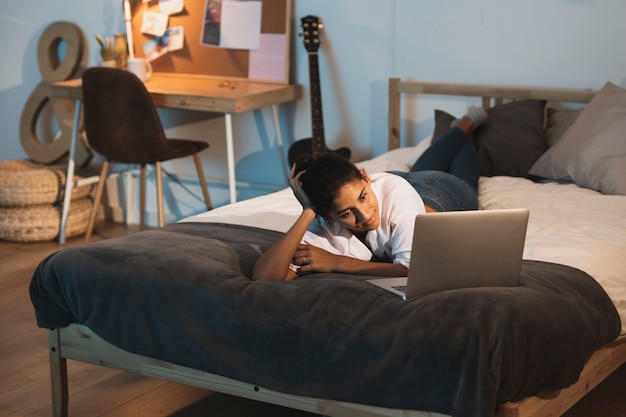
{"points": [[107, 52]]}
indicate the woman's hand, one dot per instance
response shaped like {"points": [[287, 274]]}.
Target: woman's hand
{"points": [[313, 259], [296, 187]]}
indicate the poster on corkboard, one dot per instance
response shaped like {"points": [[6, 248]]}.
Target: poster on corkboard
{"points": [[187, 37]]}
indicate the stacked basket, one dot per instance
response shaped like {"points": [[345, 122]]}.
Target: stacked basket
{"points": [[31, 197]]}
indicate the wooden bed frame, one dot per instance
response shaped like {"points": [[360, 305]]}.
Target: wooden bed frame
{"points": [[491, 95], [79, 343]]}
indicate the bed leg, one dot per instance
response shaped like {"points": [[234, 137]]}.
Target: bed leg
{"points": [[58, 375]]}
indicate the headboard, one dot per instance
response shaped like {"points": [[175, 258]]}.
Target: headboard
{"points": [[491, 95]]}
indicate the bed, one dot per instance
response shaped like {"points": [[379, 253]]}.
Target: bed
{"points": [[176, 303]]}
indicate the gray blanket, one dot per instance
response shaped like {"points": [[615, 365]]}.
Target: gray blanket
{"points": [[182, 294]]}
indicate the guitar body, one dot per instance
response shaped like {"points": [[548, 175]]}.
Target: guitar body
{"points": [[316, 145]]}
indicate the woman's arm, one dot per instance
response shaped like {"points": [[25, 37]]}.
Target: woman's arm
{"points": [[319, 260], [274, 264]]}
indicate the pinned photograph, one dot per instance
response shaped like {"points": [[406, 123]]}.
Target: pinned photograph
{"points": [[172, 40]]}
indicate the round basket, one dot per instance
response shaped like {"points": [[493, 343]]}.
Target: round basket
{"points": [[25, 183], [43, 222]]}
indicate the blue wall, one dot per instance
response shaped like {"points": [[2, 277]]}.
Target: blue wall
{"points": [[558, 43]]}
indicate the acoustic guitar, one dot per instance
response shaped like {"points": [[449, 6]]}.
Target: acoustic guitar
{"points": [[315, 145]]}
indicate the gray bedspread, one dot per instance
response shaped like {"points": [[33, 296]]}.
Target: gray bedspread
{"points": [[182, 294]]}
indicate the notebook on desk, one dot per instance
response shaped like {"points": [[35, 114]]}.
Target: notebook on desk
{"points": [[462, 249]]}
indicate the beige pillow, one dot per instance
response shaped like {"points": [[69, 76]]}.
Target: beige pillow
{"points": [[592, 152], [557, 123]]}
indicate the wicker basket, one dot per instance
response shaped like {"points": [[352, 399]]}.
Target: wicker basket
{"points": [[24, 183], [43, 222]]}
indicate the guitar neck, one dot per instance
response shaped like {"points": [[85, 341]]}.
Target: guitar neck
{"points": [[317, 116]]}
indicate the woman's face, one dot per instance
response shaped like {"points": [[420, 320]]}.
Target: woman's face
{"points": [[356, 206]]}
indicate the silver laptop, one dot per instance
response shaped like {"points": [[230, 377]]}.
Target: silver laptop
{"points": [[462, 249]]}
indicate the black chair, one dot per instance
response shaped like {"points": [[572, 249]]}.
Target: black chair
{"points": [[122, 124]]}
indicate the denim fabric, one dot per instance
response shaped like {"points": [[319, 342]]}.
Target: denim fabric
{"points": [[454, 153], [441, 190], [446, 175]]}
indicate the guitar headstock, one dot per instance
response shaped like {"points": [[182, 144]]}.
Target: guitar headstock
{"points": [[311, 28]]}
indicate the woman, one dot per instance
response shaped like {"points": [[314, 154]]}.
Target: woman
{"points": [[354, 223]]}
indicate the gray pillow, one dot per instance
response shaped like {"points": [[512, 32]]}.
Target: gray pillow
{"points": [[557, 123], [510, 140], [592, 152]]}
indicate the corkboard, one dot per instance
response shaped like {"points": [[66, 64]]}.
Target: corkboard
{"points": [[196, 58]]}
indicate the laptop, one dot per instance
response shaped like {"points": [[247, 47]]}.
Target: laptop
{"points": [[462, 249]]}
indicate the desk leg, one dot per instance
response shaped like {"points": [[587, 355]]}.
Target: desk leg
{"points": [[279, 139], [69, 178], [230, 155]]}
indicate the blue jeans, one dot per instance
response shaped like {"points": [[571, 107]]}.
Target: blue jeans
{"points": [[446, 175]]}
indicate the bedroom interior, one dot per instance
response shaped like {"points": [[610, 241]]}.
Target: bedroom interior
{"points": [[401, 115]]}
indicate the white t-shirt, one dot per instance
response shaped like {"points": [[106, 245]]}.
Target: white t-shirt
{"points": [[398, 204]]}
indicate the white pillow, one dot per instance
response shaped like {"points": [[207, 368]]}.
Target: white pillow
{"points": [[592, 152], [418, 150]]}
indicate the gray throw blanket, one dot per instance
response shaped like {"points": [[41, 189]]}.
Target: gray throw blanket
{"points": [[183, 294]]}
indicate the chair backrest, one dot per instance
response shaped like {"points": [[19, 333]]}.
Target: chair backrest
{"points": [[121, 122]]}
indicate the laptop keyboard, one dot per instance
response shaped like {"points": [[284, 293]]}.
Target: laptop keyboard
{"points": [[401, 288]]}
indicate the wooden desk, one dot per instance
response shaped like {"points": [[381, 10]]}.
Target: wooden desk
{"points": [[191, 92]]}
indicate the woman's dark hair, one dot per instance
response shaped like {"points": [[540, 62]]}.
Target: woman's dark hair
{"points": [[325, 175]]}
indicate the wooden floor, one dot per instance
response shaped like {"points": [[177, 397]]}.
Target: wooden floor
{"points": [[98, 391]]}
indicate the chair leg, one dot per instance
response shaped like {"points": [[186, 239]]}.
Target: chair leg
{"points": [[96, 202], [142, 197], [205, 189], [159, 181]]}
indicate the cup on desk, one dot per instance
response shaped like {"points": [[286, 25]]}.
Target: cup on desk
{"points": [[140, 67]]}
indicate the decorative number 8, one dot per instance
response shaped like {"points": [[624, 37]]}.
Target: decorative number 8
{"points": [[51, 71]]}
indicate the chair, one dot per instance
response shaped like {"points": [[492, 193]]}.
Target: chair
{"points": [[122, 124]]}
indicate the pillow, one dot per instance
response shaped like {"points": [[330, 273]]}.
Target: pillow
{"points": [[593, 150], [557, 123], [442, 123], [511, 139]]}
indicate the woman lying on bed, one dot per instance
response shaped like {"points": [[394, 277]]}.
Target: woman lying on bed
{"points": [[355, 223]]}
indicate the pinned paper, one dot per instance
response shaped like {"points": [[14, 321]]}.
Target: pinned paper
{"points": [[232, 24], [172, 40], [170, 7], [269, 61], [175, 38], [241, 25], [154, 23]]}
